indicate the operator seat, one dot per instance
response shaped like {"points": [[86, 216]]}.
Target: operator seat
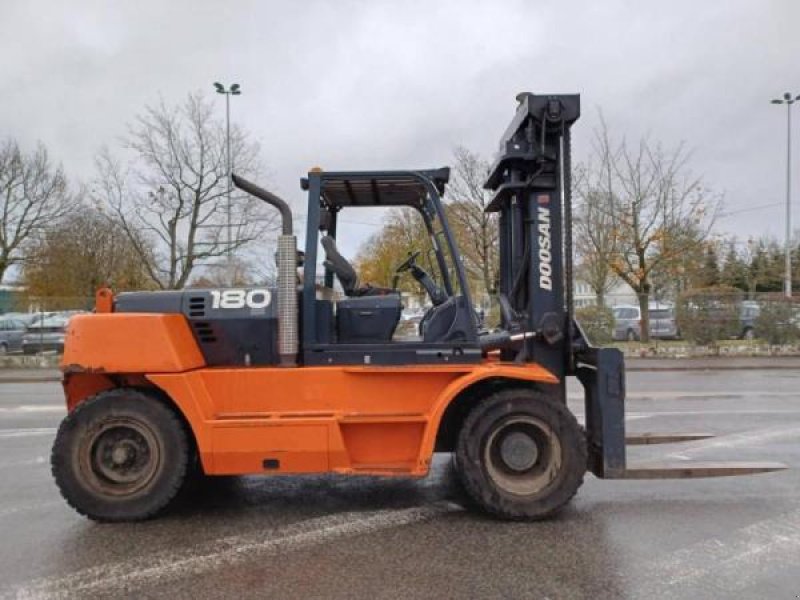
{"points": [[368, 314], [345, 272]]}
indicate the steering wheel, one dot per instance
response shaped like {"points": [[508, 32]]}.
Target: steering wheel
{"points": [[409, 262]]}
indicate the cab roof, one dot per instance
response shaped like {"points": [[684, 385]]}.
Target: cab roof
{"points": [[378, 188]]}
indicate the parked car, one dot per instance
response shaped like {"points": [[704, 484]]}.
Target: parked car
{"points": [[11, 332], [628, 322], [45, 334], [26, 317], [29, 317]]}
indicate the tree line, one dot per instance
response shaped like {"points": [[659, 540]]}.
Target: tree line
{"points": [[154, 215], [755, 265], [641, 217]]}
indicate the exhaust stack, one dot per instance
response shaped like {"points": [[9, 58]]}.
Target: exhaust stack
{"points": [[288, 331]]}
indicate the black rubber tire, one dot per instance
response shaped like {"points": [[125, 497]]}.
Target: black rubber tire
{"points": [[103, 410], [631, 336], [491, 415]]}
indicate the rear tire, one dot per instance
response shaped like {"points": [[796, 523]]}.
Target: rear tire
{"points": [[521, 455], [631, 336], [120, 456]]}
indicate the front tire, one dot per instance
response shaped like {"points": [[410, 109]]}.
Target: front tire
{"points": [[521, 455], [120, 456]]}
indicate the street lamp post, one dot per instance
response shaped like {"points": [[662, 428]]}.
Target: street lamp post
{"points": [[234, 90], [788, 100]]}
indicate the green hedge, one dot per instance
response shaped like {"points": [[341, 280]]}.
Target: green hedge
{"points": [[597, 323], [708, 315], [778, 322]]}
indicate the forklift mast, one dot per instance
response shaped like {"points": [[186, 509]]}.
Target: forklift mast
{"points": [[531, 180]]}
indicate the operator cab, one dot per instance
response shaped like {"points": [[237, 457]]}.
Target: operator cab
{"points": [[360, 328]]}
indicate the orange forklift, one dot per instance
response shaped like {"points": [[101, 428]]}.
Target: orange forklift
{"points": [[300, 378]]}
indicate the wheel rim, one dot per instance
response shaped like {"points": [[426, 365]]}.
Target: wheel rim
{"points": [[120, 456], [522, 456]]}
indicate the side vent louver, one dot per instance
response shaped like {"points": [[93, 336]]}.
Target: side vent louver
{"points": [[204, 331], [197, 306]]}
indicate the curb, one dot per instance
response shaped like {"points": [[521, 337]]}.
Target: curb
{"points": [[653, 369], [42, 379]]}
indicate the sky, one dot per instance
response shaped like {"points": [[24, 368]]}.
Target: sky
{"points": [[396, 85]]}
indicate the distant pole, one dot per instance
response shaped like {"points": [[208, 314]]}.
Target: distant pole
{"points": [[788, 100], [234, 90], [228, 153]]}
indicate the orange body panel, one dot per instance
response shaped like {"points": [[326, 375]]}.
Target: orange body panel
{"points": [[346, 419], [130, 343], [372, 420]]}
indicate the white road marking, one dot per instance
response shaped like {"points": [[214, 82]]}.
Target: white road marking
{"points": [[756, 411], [629, 417], [14, 433], [734, 440], [15, 510], [688, 413], [156, 569], [28, 462], [34, 408], [722, 567], [689, 395]]}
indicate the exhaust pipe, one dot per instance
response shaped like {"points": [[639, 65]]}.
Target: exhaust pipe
{"points": [[269, 198], [288, 330]]}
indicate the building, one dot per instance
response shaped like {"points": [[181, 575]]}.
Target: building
{"points": [[621, 293]]}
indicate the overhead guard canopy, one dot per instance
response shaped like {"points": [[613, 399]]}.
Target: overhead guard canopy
{"points": [[380, 188]]}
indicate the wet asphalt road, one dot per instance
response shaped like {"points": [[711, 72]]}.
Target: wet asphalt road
{"points": [[334, 537]]}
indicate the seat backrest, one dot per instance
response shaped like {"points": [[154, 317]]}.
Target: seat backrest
{"points": [[451, 321], [338, 264]]}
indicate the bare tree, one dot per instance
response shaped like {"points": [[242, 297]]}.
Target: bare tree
{"points": [[659, 213], [171, 198], [475, 229], [34, 195], [593, 228]]}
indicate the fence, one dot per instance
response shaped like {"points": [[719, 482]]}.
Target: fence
{"points": [[707, 316], [700, 317], [703, 317]]}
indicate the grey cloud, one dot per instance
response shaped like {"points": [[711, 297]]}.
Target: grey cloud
{"points": [[399, 84]]}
